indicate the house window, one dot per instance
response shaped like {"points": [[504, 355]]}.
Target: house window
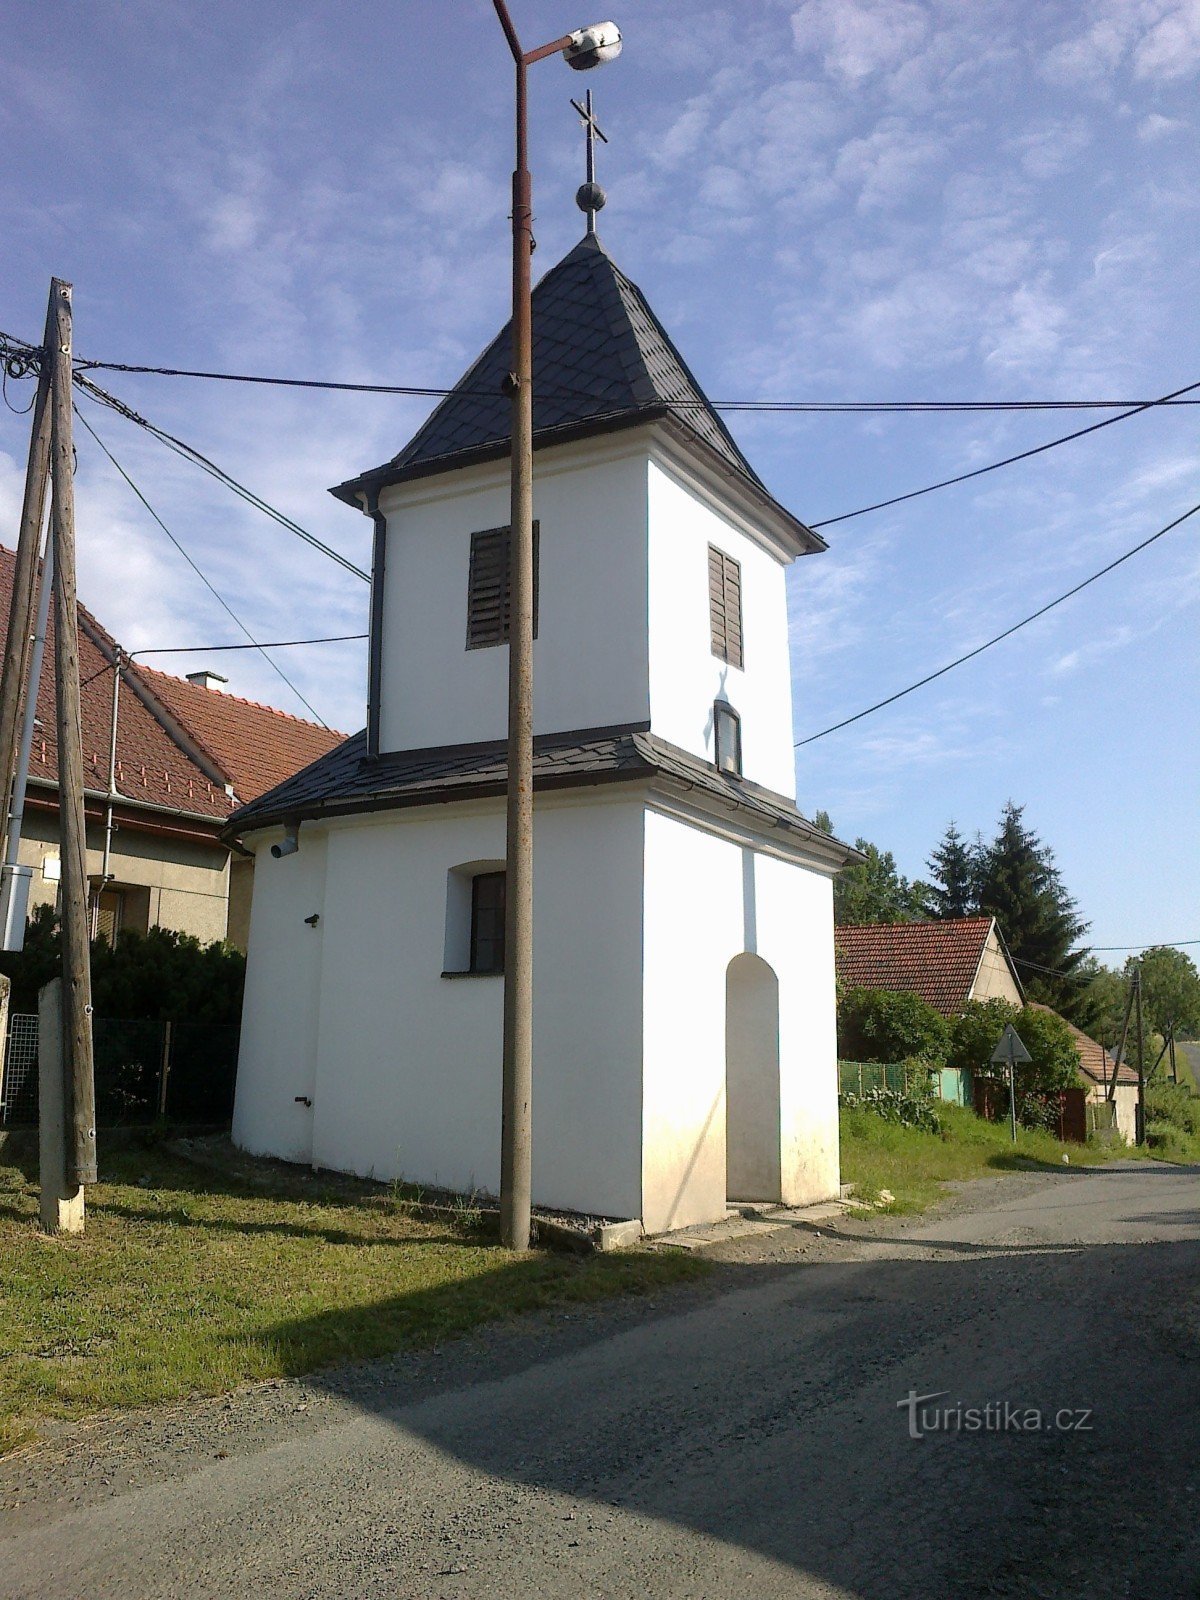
{"points": [[487, 922], [725, 605], [108, 906], [489, 588], [727, 736]]}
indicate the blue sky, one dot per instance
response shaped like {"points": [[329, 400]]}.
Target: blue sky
{"points": [[836, 199]]}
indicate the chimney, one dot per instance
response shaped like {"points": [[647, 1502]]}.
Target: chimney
{"points": [[205, 679]]}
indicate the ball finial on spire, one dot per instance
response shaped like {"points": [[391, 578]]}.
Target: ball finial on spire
{"points": [[590, 197]]}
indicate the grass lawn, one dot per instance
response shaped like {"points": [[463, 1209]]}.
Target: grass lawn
{"points": [[915, 1165], [192, 1280]]}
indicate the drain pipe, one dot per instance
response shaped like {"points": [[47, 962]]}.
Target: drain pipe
{"points": [[14, 893], [105, 874]]}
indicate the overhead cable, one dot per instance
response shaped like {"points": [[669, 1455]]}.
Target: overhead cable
{"points": [[203, 579], [24, 351], [190, 453], [996, 639], [1008, 461]]}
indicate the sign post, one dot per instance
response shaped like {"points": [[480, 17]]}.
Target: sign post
{"points": [[1009, 1051]]}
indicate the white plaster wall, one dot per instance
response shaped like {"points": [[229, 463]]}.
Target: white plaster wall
{"points": [[277, 1059], [707, 900], [408, 1080], [685, 676], [995, 980], [590, 654]]}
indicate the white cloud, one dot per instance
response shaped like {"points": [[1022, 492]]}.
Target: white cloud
{"points": [[857, 38], [1156, 126]]}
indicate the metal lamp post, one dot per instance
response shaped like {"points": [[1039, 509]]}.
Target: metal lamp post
{"points": [[588, 47]]}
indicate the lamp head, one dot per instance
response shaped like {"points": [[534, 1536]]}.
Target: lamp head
{"points": [[592, 47]]}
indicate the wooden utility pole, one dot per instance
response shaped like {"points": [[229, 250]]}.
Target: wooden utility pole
{"points": [[77, 973], [24, 592], [1140, 1136]]}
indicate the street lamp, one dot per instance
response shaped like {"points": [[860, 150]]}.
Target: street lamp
{"points": [[583, 49]]}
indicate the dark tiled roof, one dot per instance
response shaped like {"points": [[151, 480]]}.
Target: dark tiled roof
{"points": [[600, 358], [344, 782], [937, 960]]}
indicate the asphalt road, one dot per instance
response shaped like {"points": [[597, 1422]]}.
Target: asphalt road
{"points": [[739, 1439]]}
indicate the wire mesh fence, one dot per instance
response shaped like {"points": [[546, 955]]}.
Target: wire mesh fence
{"points": [[903, 1077], [179, 1071]]}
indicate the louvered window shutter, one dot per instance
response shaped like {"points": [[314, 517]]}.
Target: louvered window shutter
{"points": [[725, 606], [489, 588]]}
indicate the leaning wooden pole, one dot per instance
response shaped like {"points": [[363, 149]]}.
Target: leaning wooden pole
{"points": [[77, 974], [24, 590]]}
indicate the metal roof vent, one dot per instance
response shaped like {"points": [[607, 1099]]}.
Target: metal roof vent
{"points": [[206, 679]]}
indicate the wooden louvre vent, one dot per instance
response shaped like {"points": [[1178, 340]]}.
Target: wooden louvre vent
{"points": [[725, 605], [489, 588]]}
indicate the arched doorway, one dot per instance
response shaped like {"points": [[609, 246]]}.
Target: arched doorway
{"points": [[752, 1154]]}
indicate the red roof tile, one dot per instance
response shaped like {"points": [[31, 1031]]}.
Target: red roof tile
{"points": [[151, 767], [1095, 1062], [231, 740], [937, 960], [256, 745]]}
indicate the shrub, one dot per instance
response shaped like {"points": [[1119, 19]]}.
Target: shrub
{"points": [[155, 975], [910, 1109], [976, 1033], [890, 1025], [1172, 1104]]}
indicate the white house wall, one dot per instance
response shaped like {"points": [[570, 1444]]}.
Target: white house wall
{"points": [[277, 1060], [994, 980], [592, 601], [685, 676], [408, 1072], [708, 900]]}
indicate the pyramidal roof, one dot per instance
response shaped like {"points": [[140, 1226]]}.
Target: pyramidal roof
{"points": [[601, 361]]}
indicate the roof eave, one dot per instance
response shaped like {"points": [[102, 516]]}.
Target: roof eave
{"points": [[354, 489]]}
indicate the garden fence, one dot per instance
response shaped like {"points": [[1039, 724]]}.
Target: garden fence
{"points": [[179, 1071]]}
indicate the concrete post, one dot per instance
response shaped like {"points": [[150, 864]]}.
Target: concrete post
{"points": [[61, 1200]]}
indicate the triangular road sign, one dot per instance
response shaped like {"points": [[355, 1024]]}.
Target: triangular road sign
{"points": [[1011, 1048]]}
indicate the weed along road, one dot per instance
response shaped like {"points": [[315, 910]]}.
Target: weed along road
{"points": [[1000, 1399]]}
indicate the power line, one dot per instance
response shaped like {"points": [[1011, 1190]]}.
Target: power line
{"points": [[785, 406], [212, 649], [204, 580], [996, 639], [268, 644], [24, 351], [1150, 944], [1008, 461], [190, 453]]}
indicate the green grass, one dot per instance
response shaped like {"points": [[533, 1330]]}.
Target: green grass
{"points": [[193, 1280], [915, 1166]]}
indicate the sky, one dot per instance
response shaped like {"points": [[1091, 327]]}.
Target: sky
{"points": [[823, 200]]}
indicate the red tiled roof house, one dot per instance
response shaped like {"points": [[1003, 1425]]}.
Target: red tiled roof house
{"points": [[947, 962], [187, 756]]}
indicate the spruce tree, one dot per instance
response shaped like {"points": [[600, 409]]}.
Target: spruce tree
{"points": [[954, 865], [1020, 885]]}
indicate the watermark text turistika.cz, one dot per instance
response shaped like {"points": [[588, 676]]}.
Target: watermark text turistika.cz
{"points": [[996, 1416]]}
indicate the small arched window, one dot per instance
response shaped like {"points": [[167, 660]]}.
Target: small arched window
{"points": [[727, 737]]}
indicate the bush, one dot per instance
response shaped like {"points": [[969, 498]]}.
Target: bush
{"points": [[1172, 1104], [976, 1033], [891, 1025], [155, 975], [910, 1110]]}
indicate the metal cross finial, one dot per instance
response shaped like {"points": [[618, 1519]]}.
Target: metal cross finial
{"points": [[590, 197]]}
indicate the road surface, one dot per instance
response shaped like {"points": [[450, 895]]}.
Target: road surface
{"points": [[745, 1438]]}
